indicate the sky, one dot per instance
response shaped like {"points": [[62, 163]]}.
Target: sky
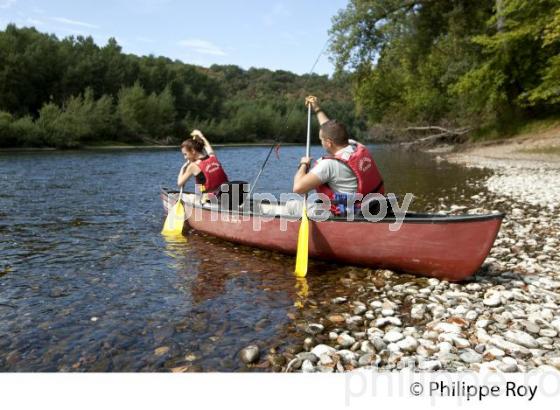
{"points": [[279, 35]]}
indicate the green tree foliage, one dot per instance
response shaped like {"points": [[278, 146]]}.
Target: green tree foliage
{"points": [[71, 92], [466, 62], [143, 115]]}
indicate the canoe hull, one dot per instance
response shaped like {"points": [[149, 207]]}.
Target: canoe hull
{"points": [[447, 248]]}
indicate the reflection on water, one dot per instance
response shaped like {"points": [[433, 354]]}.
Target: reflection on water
{"points": [[87, 283]]}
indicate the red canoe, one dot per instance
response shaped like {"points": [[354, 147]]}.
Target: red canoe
{"points": [[441, 246]]}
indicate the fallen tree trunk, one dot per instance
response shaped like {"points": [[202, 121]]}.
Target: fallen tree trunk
{"points": [[444, 135]]}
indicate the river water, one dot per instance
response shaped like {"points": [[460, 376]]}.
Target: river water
{"points": [[87, 283]]}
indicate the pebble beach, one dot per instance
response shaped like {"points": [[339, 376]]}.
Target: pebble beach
{"points": [[506, 318]]}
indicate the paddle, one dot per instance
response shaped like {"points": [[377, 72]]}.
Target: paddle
{"points": [[175, 220], [303, 236]]}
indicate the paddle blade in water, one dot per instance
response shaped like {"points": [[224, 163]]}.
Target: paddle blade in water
{"points": [[175, 219], [302, 245]]}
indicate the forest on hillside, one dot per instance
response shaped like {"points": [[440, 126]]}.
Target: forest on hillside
{"points": [[486, 65], [71, 92], [479, 67]]}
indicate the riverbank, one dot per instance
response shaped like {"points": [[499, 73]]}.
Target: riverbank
{"points": [[506, 318], [140, 147]]}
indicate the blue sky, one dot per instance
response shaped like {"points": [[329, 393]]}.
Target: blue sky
{"points": [[284, 34]]}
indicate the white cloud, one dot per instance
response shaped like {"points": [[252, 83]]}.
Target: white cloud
{"points": [[5, 4], [74, 22], [202, 47]]}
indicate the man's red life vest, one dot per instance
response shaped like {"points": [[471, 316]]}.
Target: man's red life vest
{"points": [[214, 174], [363, 166]]}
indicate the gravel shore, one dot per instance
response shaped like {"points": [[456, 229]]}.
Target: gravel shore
{"points": [[506, 318]]}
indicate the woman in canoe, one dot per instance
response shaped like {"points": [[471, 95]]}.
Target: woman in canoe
{"points": [[202, 163]]}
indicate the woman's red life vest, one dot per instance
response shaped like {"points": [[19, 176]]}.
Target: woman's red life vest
{"points": [[363, 166], [214, 174]]}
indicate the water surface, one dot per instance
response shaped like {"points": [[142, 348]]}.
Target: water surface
{"points": [[87, 283]]}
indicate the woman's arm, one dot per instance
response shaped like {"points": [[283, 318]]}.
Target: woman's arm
{"points": [[207, 146], [185, 173]]}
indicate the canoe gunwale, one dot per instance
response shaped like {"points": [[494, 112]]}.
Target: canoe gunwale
{"points": [[411, 217]]}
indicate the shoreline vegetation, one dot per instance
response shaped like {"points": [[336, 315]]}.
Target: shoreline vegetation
{"points": [[417, 71], [70, 92]]}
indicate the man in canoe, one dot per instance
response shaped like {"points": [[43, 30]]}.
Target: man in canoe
{"points": [[202, 163], [349, 167]]}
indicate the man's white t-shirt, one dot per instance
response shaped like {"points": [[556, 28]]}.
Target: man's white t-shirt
{"points": [[338, 176]]}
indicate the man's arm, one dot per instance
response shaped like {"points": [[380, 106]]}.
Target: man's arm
{"points": [[321, 116], [304, 181]]}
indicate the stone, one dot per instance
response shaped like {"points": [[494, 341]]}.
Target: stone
{"points": [[493, 353], [307, 367], [339, 300], [521, 338], [367, 347], [408, 344], [160, 351], [391, 320], [393, 348], [345, 340], [492, 300], [366, 359], [387, 312], [250, 354], [321, 349], [303, 356], [429, 365], [346, 356], [354, 320], [470, 356], [417, 312], [508, 365], [556, 324], [443, 327], [460, 342], [473, 287], [315, 328], [483, 323], [471, 315], [376, 304], [378, 343], [325, 359], [308, 343], [530, 327], [360, 309], [509, 347], [393, 336], [336, 318], [548, 333], [445, 347], [555, 362]]}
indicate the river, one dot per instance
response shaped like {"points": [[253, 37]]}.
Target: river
{"points": [[87, 283]]}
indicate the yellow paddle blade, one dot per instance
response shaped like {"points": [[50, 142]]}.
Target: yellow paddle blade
{"points": [[303, 245], [175, 220], [302, 290]]}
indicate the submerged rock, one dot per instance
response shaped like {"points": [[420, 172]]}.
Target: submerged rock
{"points": [[250, 354]]}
